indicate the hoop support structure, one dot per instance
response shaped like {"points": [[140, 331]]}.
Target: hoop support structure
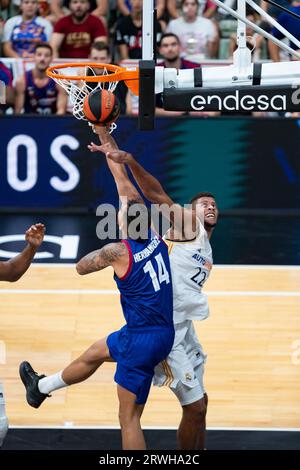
{"points": [[259, 30]]}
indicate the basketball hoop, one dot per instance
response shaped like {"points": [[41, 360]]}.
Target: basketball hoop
{"points": [[81, 78]]}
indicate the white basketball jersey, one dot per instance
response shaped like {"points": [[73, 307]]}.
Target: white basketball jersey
{"points": [[191, 263]]}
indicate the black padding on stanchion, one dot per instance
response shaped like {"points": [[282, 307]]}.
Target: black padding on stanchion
{"points": [[256, 74], [146, 95], [198, 81]]}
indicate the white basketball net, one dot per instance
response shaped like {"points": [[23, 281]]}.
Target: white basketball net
{"points": [[79, 89]]}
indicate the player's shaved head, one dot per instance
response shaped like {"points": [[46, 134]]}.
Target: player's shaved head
{"points": [[201, 194]]}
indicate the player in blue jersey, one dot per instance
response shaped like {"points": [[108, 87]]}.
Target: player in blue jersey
{"points": [[142, 273], [36, 93], [191, 262]]}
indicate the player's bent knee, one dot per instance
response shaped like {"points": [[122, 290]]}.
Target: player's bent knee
{"points": [[196, 411], [129, 414], [3, 429], [128, 418], [97, 353]]}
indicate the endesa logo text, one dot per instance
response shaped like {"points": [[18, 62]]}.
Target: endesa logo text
{"points": [[236, 102], [231, 100]]}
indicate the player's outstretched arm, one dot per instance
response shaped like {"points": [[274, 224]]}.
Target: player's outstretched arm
{"points": [[14, 269], [149, 185], [126, 189], [112, 254], [183, 220]]}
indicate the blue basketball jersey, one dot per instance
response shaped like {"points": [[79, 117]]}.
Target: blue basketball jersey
{"points": [[146, 288], [40, 100]]}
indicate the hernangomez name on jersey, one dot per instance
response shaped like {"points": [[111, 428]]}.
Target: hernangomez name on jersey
{"points": [[191, 263]]}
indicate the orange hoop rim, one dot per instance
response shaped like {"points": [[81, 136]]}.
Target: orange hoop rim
{"points": [[120, 73]]}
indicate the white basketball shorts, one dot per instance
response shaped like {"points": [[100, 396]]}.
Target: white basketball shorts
{"points": [[183, 369]]}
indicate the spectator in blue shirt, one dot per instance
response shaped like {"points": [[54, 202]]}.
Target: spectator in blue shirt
{"points": [[291, 24]]}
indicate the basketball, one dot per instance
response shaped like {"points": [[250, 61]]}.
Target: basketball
{"points": [[101, 107]]}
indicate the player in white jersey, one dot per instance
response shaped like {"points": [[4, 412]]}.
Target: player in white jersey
{"points": [[191, 262], [183, 370], [11, 271]]}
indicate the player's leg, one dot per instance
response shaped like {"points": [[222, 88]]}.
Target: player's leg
{"points": [[183, 372], [191, 396], [3, 417], [130, 420], [193, 399], [86, 364], [201, 440], [39, 387], [191, 431], [135, 370]]}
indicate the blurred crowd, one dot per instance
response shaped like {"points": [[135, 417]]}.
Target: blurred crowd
{"points": [[188, 32]]}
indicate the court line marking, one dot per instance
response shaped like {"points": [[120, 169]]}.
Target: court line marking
{"points": [[60, 291], [158, 428], [257, 266], [116, 292], [217, 266], [212, 293]]}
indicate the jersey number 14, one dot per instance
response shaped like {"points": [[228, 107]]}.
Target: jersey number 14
{"points": [[162, 276]]}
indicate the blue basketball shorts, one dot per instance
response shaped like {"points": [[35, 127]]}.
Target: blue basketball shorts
{"points": [[137, 351]]}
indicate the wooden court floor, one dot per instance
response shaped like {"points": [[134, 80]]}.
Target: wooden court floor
{"points": [[252, 339]]}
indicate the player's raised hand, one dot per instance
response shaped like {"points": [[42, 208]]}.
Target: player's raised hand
{"points": [[35, 235], [104, 148], [119, 156]]}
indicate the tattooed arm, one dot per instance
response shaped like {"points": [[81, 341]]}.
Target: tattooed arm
{"points": [[112, 254]]}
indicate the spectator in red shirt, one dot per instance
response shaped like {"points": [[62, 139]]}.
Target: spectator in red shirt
{"points": [[74, 34], [59, 8]]}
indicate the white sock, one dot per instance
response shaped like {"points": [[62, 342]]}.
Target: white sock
{"points": [[51, 383], [3, 417]]}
